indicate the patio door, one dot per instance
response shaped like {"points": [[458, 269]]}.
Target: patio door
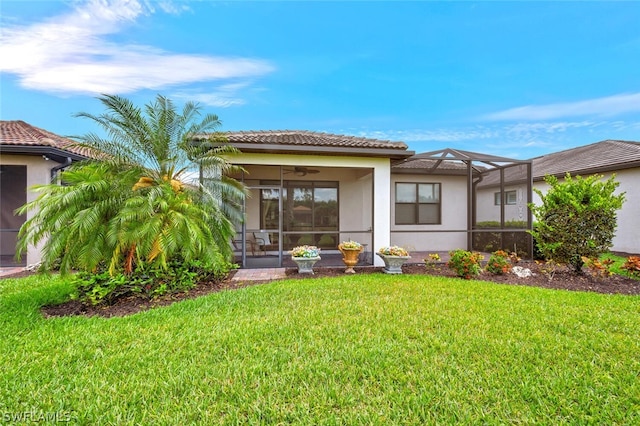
{"points": [[263, 228]]}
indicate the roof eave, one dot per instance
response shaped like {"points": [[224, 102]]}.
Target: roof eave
{"points": [[590, 171], [55, 154], [394, 154]]}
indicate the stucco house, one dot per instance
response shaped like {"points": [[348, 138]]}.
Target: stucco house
{"points": [[321, 189], [608, 157], [28, 156]]}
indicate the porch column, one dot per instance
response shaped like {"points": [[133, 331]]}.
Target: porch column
{"points": [[381, 208]]}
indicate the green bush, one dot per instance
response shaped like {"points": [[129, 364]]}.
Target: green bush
{"points": [[326, 240], [466, 264], [577, 218], [150, 281], [305, 240], [507, 224], [498, 263]]}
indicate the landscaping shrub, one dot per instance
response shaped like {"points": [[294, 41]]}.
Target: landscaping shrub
{"points": [[432, 260], [148, 280], [326, 241], [577, 218], [466, 264], [499, 263], [600, 268], [518, 224], [632, 266]]}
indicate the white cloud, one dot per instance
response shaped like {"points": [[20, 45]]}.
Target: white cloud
{"points": [[223, 96], [436, 135], [514, 140], [607, 106], [71, 54], [524, 129]]}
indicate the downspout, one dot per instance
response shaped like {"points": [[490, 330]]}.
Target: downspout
{"points": [[54, 170]]}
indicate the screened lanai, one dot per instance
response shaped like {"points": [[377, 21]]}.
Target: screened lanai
{"points": [[450, 198], [290, 206], [311, 188]]}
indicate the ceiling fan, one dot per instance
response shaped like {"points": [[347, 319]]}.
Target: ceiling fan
{"points": [[301, 171]]}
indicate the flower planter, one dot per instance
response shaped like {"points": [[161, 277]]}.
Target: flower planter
{"points": [[305, 264], [350, 257], [393, 264]]}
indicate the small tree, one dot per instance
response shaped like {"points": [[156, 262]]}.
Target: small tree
{"points": [[137, 205], [577, 218]]}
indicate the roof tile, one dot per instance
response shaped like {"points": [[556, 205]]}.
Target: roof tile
{"points": [[601, 156], [19, 133], [308, 138]]}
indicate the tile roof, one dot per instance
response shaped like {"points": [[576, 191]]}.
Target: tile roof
{"points": [[608, 155], [20, 134], [313, 143], [308, 138]]}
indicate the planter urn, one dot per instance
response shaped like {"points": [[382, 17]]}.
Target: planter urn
{"points": [[350, 257], [305, 264], [393, 264]]}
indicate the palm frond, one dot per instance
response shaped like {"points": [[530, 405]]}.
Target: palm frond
{"points": [[98, 218]]}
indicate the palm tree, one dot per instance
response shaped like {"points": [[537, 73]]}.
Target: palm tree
{"points": [[139, 202]]}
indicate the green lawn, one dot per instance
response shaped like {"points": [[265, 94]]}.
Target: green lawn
{"points": [[364, 349]]}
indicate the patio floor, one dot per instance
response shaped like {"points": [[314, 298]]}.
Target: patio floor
{"points": [[335, 259], [257, 275]]}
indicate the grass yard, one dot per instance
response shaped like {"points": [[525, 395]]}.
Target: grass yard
{"points": [[365, 349]]}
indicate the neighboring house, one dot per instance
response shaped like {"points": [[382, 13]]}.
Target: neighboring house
{"points": [[621, 158], [28, 156]]}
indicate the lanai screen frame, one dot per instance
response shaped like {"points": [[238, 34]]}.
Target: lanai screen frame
{"points": [[481, 165]]}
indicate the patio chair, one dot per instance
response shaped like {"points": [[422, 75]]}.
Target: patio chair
{"points": [[250, 243], [262, 241]]}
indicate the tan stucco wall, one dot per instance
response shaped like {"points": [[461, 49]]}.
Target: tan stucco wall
{"points": [[627, 238], [38, 172], [454, 216]]}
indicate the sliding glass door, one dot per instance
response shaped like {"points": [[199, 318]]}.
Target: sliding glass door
{"points": [[310, 214]]}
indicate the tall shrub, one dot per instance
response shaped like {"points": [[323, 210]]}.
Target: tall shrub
{"points": [[576, 219]]}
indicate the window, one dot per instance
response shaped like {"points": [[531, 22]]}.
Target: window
{"points": [[510, 197], [417, 203]]}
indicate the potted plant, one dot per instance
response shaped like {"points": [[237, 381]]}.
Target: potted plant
{"points": [[305, 257], [351, 252], [394, 257]]}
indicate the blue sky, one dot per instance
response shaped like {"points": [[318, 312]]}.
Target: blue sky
{"points": [[517, 79]]}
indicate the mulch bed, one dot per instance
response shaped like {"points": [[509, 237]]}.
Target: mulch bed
{"points": [[563, 278]]}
